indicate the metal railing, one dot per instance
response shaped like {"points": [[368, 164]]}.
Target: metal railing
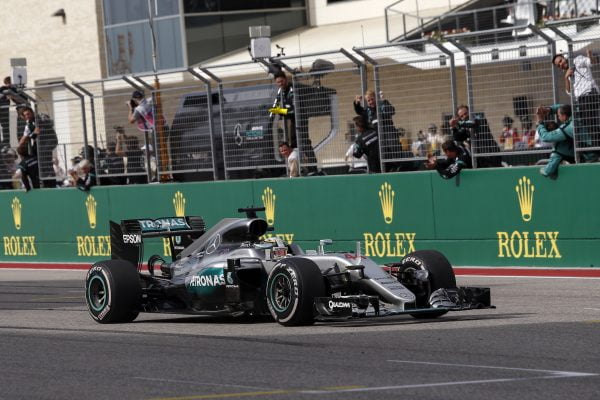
{"points": [[216, 122], [453, 19]]}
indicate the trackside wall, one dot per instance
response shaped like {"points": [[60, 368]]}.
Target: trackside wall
{"points": [[501, 217]]}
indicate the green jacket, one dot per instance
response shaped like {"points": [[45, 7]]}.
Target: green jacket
{"points": [[561, 137]]}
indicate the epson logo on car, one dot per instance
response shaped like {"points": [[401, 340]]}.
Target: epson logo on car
{"points": [[339, 304], [132, 239]]}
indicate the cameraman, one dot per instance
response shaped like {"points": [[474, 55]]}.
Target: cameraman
{"points": [[141, 111]]}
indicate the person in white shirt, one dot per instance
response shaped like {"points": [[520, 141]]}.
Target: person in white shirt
{"points": [[580, 81], [291, 157]]}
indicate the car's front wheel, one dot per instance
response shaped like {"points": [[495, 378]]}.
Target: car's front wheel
{"points": [[113, 291], [440, 275], [292, 287]]}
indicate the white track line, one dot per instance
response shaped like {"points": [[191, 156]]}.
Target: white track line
{"points": [[552, 375]]}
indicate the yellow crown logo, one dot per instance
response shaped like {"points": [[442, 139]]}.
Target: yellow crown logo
{"points": [[16, 211], [90, 205], [268, 199], [179, 204], [525, 195], [386, 197]]}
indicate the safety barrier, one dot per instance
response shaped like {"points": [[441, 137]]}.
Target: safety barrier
{"points": [[524, 220]]}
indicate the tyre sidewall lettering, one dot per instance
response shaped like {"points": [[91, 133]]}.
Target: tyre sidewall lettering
{"points": [[283, 316], [101, 273]]}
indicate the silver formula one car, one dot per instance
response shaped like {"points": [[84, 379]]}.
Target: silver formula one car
{"points": [[232, 270]]}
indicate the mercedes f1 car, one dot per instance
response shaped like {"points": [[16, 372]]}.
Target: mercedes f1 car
{"points": [[231, 269]]}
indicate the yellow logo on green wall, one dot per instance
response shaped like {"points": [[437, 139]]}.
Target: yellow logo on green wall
{"points": [[90, 205], [16, 212], [525, 191], [268, 199], [179, 204], [386, 197]]}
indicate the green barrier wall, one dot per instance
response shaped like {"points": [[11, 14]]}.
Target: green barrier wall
{"points": [[502, 217]]}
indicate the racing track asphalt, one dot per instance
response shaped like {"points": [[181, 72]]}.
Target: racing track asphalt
{"points": [[540, 343]]}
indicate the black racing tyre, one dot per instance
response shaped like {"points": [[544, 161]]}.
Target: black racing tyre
{"points": [[441, 275], [292, 287], [113, 291]]}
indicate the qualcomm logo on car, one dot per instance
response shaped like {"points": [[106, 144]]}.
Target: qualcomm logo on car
{"points": [[338, 304]]}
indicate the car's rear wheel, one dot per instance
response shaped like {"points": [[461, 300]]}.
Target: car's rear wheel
{"points": [[113, 291], [292, 287], [440, 275]]}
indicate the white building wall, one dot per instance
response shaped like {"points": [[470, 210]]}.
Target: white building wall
{"points": [[70, 51]]}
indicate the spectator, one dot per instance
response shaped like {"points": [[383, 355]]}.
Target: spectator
{"points": [[291, 158], [4, 109], [283, 105], [578, 77], [59, 172], [8, 167], [435, 138], [457, 158], [41, 140], [8, 92], [367, 143], [27, 170], [379, 117], [84, 176], [115, 164], [475, 134], [421, 146], [141, 111], [561, 137], [510, 136], [129, 146]]}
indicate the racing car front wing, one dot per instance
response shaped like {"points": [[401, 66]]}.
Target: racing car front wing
{"points": [[363, 306]]}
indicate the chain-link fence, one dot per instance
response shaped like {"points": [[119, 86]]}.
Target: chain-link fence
{"points": [[581, 51], [415, 85], [246, 133], [228, 121], [54, 132], [325, 86]]}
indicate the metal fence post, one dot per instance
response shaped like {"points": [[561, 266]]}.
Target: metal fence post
{"points": [[221, 98], [574, 103], [84, 126], [210, 118], [469, 81], [374, 63]]}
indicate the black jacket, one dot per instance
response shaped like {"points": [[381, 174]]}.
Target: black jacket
{"points": [[367, 143], [451, 167]]}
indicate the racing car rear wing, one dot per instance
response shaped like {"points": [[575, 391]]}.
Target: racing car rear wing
{"points": [[126, 238]]}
